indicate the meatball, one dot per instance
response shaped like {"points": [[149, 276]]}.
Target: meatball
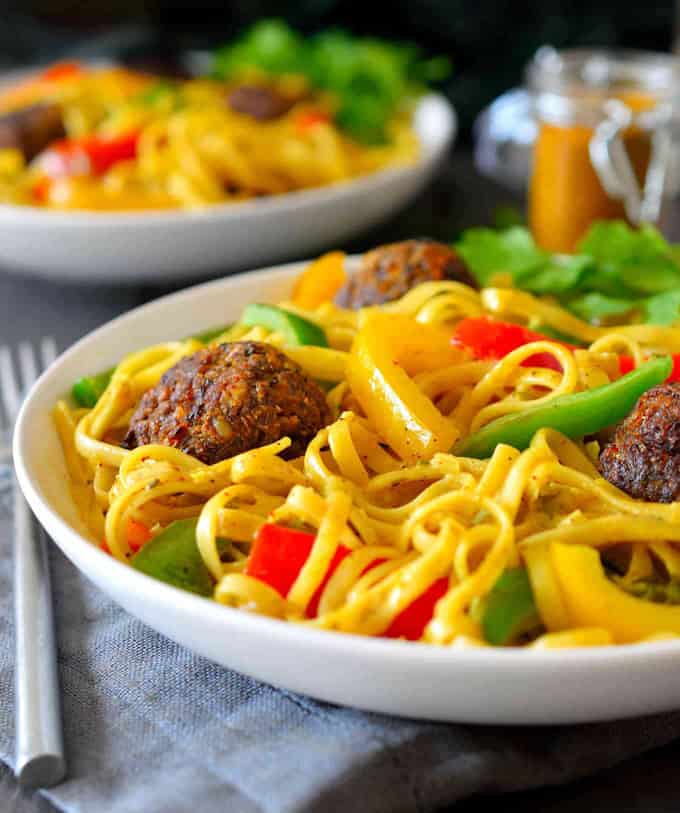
{"points": [[31, 129], [388, 272], [259, 102], [224, 400], [643, 459]]}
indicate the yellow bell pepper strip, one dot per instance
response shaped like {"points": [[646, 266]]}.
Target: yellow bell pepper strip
{"points": [[405, 417], [546, 588], [574, 415], [593, 600], [320, 281]]}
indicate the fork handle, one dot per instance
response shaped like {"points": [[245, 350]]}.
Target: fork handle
{"points": [[39, 744]]}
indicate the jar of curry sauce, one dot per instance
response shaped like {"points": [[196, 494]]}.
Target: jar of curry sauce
{"points": [[604, 147]]}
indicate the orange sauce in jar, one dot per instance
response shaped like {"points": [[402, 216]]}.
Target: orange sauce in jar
{"points": [[565, 193], [572, 94]]}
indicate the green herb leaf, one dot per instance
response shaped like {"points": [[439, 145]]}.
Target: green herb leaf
{"points": [[641, 257], [619, 272], [560, 274], [488, 252], [370, 78], [663, 309], [596, 308], [269, 45]]}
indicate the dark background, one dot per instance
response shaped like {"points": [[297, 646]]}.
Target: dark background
{"points": [[489, 41]]}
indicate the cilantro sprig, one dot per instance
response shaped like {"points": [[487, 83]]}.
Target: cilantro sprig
{"points": [[616, 273], [370, 78]]}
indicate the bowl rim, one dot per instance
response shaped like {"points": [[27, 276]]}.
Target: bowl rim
{"points": [[514, 660], [11, 214]]}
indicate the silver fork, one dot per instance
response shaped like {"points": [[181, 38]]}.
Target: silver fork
{"points": [[39, 743]]}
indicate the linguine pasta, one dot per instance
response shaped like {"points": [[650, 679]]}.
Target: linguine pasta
{"points": [[426, 517], [189, 148]]}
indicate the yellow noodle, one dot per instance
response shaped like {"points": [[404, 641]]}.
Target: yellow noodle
{"points": [[401, 526]]}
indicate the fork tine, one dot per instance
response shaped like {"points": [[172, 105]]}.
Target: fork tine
{"points": [[9, 390], [48, 350], [27, 366]]}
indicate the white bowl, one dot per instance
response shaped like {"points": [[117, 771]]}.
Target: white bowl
{"points": [[165, 245], [415, 680]]}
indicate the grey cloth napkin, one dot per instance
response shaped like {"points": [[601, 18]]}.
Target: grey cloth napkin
{"points": [[151, 727]]}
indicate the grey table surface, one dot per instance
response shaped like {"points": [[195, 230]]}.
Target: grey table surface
{"points": [[458, 198]]}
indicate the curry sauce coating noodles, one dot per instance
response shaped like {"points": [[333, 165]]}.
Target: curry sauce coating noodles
{"points": [[390, 531], [134, 141], [223, 400]]}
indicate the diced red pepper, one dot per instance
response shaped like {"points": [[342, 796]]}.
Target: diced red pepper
{"points": [[104, 153], [338, 556], [91, 155], [41, 190], [137, 534], [675, 372], [278, 555], [61, 70], [627, 365], [310, 119], [411, 622], [489, 338]]}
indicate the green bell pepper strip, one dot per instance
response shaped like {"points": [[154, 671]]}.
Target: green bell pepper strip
{"points": [[295, 329], [172, 556], [574, 415], [509, 609], [88, 390]]}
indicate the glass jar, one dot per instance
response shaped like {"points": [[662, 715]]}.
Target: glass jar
{"points": [[604, 147]]}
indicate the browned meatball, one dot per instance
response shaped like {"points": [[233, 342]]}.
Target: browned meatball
{"points": [[228, 399], [643, 459], [260, 102], [31, 129], [388, 272]]}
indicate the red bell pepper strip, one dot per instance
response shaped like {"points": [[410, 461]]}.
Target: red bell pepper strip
{"points": [[41, 189], [489, 338], [411, 621], [61, 70], [137, 536], [278, 555], [310, 119], [91, 155], [627, 363]]}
